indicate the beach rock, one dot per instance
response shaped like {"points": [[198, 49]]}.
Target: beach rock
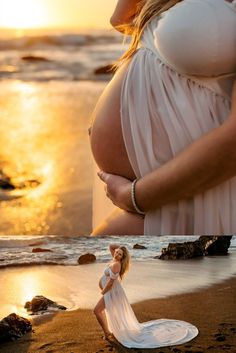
{"points": [[41, 250], [40, 303], [186, 250], [7, 185], [13, 326], [34, 58], [205, 245], [215, 244], [5, 182], [107, 69], [139, 246], [86, 259]]}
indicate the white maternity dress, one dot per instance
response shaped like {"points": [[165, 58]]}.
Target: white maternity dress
{"points": [[177, 88], [124, 325]]}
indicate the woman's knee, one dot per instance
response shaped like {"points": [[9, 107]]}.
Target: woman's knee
{"points": [[97, 311]]}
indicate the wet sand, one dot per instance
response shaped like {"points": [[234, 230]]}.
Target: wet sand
{"points": [[212, 310]]}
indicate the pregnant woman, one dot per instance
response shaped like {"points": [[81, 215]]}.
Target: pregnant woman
{"points": [[164, 129], [116, 316]]}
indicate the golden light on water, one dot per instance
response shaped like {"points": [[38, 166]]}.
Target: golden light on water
{"points": [[25, 285], [45, 150], [31, 151], [30, 287], [23, 13]]}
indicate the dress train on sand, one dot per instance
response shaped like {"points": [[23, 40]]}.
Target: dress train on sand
{"points": [[124, 325]]}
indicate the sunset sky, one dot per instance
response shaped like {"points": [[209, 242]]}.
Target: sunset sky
{"points": [[19, 14]]}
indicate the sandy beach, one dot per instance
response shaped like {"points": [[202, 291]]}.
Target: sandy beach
{"points": [[200, 291], [212, 310]]}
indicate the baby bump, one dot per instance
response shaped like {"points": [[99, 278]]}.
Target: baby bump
{"points": [[102, 282], [106, 137]]}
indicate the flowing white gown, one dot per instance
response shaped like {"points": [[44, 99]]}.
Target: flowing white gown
{"points": [[177, 88], [124, 325]]}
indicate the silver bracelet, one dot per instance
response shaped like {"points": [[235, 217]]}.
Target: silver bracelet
{"points": [[133, 198]]}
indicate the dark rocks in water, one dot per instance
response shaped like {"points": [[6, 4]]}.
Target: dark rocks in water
{"points": [[13, 327], [86, 259], [139, 246], [41, 250], [34, 58], [215, 245], [107, 69], [5, 182], [6, 185], [186, 250], [205, 245], [41, 304]]}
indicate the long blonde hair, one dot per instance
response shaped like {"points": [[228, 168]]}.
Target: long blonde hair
{"points": [[125, 261], [146, 10]]}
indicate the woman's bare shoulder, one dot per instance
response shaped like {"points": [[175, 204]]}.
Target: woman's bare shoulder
{"points": [[115, 267]]}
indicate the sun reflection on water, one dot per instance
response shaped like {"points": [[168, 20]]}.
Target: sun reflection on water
{"points": [[31, 156], [45, 151]]}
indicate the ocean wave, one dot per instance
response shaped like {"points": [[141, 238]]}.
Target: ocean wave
{"points": [[18, 250], [68, 57], [66, 40]]}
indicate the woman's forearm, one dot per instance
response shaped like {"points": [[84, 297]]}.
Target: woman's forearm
{"points": [[107, 287], [207, 162], [113, 246]]}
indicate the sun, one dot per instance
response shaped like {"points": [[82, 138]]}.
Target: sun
{"points": [[22, 14]]}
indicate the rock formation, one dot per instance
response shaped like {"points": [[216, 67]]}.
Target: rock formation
{"points": [[205, 245], [13, 327], [86, 259], [41, 250], [139, 246], [215, 245], [41, 304]]}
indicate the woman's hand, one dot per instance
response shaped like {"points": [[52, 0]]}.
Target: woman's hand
{"points": [[118, 190]]}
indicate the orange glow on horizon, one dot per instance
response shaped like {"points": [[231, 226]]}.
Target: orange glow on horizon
{"points": [[43, 14], [22, 14]]}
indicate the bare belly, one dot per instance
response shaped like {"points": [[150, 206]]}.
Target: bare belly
{"points": [[106, 137], [100, 283]]}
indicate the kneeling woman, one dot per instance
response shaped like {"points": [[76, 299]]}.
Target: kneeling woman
{"points": [[116, 316]]}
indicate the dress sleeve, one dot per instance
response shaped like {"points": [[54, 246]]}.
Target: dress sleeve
{"points": [[113, 275]]}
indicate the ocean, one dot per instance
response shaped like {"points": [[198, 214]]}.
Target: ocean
{"points": [[17, 250], [65, 56]]}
